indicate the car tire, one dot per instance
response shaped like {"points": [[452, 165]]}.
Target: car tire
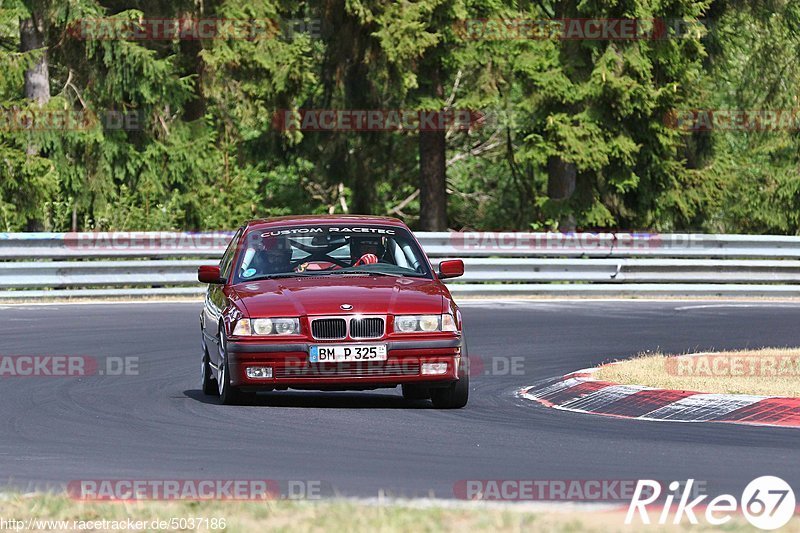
{"points": [[415, 392], [210, 385], [456, 395], [228, 394]]}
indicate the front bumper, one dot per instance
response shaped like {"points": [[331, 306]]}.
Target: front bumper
{"points": [[291, 368]]}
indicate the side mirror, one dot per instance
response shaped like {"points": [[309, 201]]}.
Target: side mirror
{"points": [[209, 274], [451, 269]]}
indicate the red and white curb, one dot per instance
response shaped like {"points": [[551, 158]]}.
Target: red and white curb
{"points": [[581, 392]]}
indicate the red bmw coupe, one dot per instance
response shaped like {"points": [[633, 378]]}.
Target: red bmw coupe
{"points": [[331, 303]]}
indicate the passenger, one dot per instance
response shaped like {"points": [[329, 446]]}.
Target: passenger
{"points": [[366, 250]]}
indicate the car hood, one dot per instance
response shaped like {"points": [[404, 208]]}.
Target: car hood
{"points": [[324, 295]]}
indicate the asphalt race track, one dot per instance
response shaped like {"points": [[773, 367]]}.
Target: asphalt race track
{"points": [[158, 425]]}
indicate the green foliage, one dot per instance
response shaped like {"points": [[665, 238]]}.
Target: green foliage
{"points": [[205, 152]]}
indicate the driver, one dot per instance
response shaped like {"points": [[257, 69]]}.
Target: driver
{"points": [[278, 256], [366, 250], [270, 255]]}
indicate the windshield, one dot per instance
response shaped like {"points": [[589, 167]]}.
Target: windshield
{"points": [[330, 250]]}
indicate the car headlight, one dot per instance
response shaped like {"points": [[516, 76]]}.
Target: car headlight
{"points": [[267, 326], [448, 323], [242, 328], [429, 323], [405, 324], [424, 323], [286, 326], [262, 326]]}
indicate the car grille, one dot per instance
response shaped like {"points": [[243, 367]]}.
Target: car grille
{"points": [[329, 328], [336, 328], [366, 328], [348, 370]]}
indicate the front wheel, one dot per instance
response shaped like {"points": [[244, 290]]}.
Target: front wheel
{"points": [[456, 395], [228, 394], [210, 386]]}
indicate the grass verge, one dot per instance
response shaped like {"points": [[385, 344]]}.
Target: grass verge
{"points": [[763, 372], [331, 515]]}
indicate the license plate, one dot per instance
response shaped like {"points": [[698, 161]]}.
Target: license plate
{"points": [[347, 353]]}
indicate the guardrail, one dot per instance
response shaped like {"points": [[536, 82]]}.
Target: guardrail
{"points": [[36, 265]]}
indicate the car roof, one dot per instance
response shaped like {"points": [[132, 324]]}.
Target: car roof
{"points": [[305, 220]]}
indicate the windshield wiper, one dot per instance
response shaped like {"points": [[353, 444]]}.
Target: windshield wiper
{"points": [[330, 273], [370, 272], [393, 274], [277, 276]]}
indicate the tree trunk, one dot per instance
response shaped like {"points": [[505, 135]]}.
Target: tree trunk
{"points": [[37, 78], [432, 181], [193, 64], [346, 63], [195, 108], [562, 179], [364, 178], [432, 164]]}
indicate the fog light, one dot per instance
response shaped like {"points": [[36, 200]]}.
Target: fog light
{"points": [[434, 369], [259, 372]]}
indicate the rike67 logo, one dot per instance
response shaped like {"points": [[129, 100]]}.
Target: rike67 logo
{"points": [[768, 503]]}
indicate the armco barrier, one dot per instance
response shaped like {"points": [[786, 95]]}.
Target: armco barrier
{"points": [[36, 265]]}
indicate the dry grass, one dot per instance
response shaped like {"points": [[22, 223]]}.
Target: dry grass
{"points": [[763, 372], [346, 516]]}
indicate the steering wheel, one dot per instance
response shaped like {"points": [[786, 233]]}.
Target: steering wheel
{"points": [[366, 259]]}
